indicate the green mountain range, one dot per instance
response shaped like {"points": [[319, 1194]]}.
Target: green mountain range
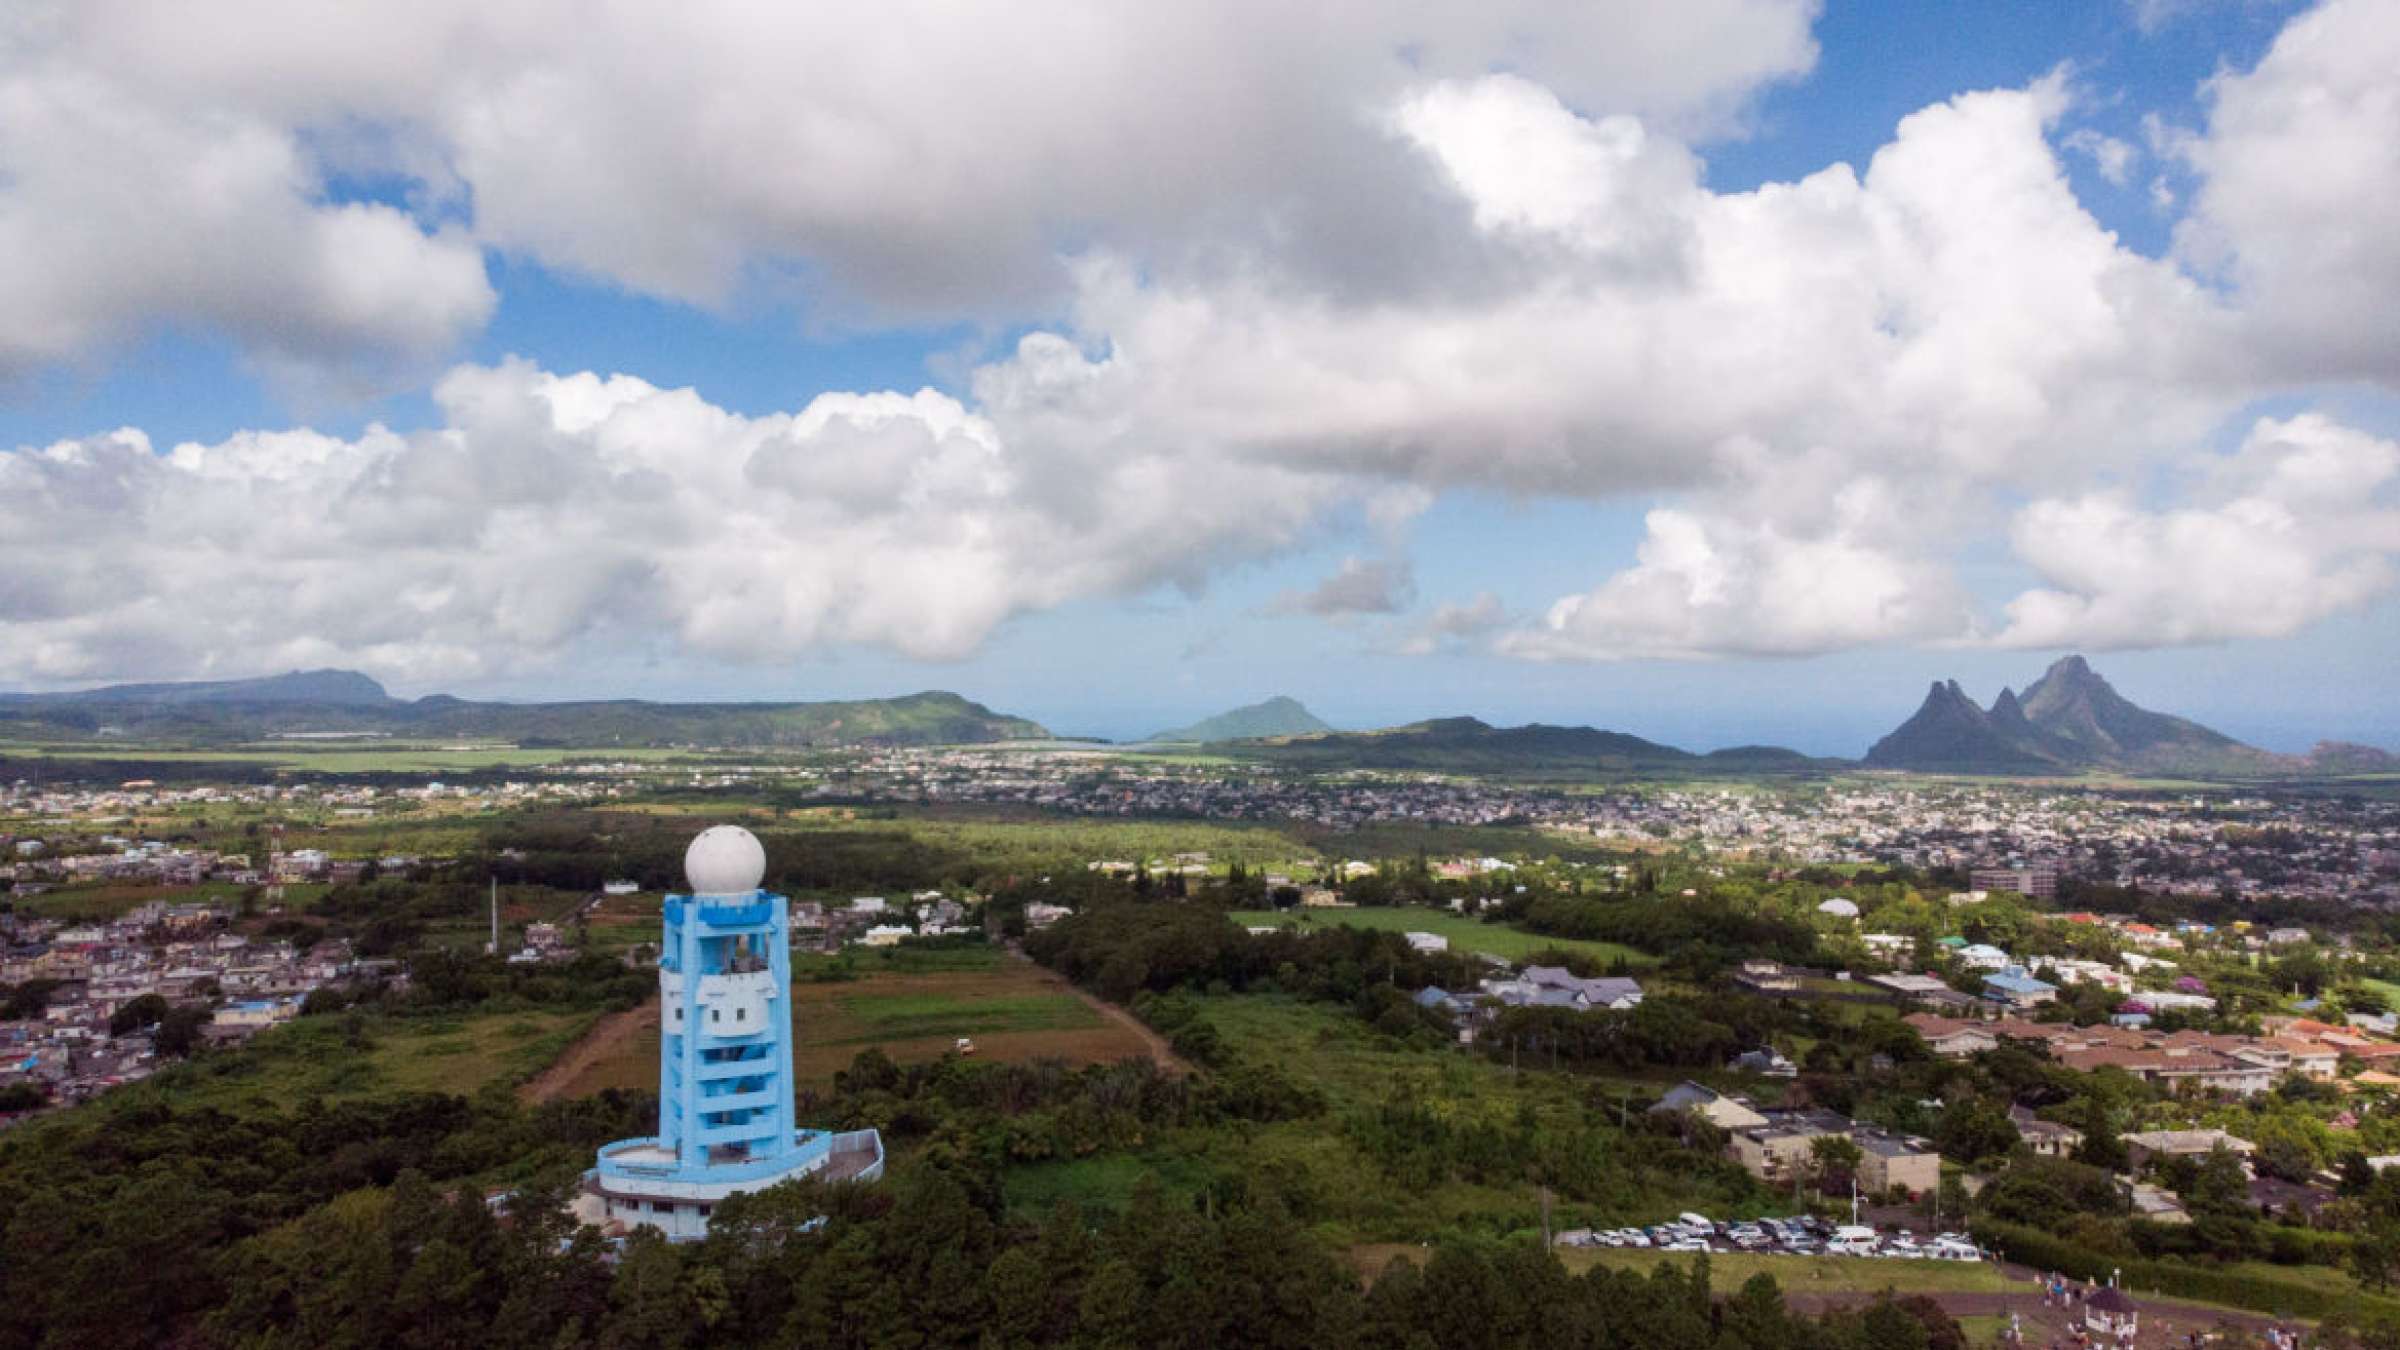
{"points": [[337, 701], [1278, 716], [1469, 745], [2071, 720]]}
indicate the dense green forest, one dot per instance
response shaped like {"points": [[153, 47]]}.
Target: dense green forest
{"points": [[432, 1220]]}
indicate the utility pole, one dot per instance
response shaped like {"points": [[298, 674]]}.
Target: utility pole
{"points": [[1545, 1190], [494, 948]]}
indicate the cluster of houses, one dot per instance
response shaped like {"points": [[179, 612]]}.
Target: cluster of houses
{"points": [[2146, 980], [2024, 838], [1532, 987], [181, 953], [874, 921], [1778, 1146], [2240, 1066]]}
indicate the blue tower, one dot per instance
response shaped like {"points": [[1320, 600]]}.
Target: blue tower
{"points": [[725, 1112]]}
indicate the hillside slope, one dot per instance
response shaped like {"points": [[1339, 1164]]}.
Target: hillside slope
{"points": [[345, 701], [1278, 716]]}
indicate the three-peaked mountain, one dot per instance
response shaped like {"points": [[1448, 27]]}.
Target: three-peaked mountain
{"points": [[2067, 721]]}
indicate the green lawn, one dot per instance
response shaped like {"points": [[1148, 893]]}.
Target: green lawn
{"points": [[1033, 841], [352, 757], [1828, 1274], [914, 958], [1103, 1181], [2331, 1279], [107, 900], [314, 1056], [893, 1017], [2389, 990], [461, 1054], [1465, 934]]}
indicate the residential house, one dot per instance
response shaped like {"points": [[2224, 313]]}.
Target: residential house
{"points": [[1779, 1149], [1951, 1038], [1767, 1061], [1726, 1113], [2018, 990], [1769, 977], [1613, 992], [1889, 1162], [1890, 946], [1983, 956], [2194, 1144], [2157, 1204], [1923, 991], [2047, 1139]]}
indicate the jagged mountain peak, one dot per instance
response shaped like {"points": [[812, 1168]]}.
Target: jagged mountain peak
{"points": [[2070, 718], [1950, 731]]}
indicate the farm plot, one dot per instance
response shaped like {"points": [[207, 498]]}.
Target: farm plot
{"points": [[1013, 1011]]}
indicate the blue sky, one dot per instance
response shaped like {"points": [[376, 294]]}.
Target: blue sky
{"points": [[1113, 607]]}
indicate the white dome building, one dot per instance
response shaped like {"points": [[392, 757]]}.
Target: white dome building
{"points": [[725, 860], [1839, 909]]}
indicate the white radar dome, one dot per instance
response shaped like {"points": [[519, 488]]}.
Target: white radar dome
{"points": [[725, 860]]}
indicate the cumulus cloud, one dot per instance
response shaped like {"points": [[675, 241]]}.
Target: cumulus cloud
{"points": [[1834, 372], [118, 217], [1706, 588], [1455, 622], [1954, 310], [2299, 181], [2112, 157], [1358, 586], [161, 165], [1296, 262], [552, 511], [2299, 524]]}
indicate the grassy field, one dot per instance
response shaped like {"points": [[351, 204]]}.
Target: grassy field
{"points": [[315, 1056], [1324, 1175], [1465, 934], [348, 757], [1820, 1274], [995, 833], [107, 901], [913, 1006]]}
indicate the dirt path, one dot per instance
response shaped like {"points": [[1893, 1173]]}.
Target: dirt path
{"points": [[607, 1036], [1161, 1053]]}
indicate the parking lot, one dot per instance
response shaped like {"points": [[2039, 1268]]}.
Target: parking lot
{"points": [[1808, 1236]]}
